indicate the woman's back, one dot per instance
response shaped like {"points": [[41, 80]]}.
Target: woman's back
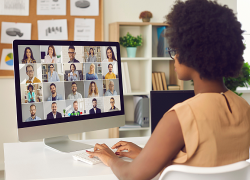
{"points": [[216, 129]]}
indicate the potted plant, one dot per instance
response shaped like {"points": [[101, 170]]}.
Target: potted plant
{"points": [[243, 80], [145, 16], [131, 43]]}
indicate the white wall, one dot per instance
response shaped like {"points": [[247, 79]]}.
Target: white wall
{"points": [[129, 10], [114, 11]]}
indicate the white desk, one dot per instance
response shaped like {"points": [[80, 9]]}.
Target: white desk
{"points": [[32, 160]]}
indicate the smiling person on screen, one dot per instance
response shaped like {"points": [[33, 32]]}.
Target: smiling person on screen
{"points": [[51, 55], [111, 91], [30, 73], [72, 54], [54, 114], [54, 95], [213, 127], [110, 74]]}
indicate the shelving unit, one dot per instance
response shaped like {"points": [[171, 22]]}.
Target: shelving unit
{"points": [[140, 69]]}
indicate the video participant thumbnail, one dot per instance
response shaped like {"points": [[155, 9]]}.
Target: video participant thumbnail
{"points": [[93, 88], [75, 107], [112, 103], [109, 54], [51, 54], [54, 109], [109, 70], [74, 90], [32, 112], [53, 91], [31, 93], [30, 73], [94, 105], [92, 53], [29, 54], [73, 72], [111, 87], [72, 54]]}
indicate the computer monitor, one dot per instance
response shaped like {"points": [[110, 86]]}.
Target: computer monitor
{"points": [[162, 101], [66, 87]]}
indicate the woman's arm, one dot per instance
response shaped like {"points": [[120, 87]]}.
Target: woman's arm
{"points": [[164, 144], [96, 77]]}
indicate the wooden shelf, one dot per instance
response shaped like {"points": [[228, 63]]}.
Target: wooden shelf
{"points": [[162, 58], [134, 59], [134, 93], [134, 129], [138, 24]]}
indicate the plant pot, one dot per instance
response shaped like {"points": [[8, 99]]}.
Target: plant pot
{"points": [[145, 19], [131, 52]]}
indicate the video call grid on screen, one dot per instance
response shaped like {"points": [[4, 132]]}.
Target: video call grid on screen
{"points": [[80, 74]]}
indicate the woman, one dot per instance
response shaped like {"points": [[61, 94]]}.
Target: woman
{"points": [[91, 56], [93, 90], [110, 55], [52, 75], [91, 75], [31, 94], [213, 127], [51, 55], [28, 56], [73, 75]]}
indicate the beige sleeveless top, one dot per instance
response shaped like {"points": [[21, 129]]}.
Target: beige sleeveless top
{"points": [[216, 129]]}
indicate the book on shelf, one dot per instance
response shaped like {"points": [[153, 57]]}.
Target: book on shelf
{"points": [[164, 81], [125, 78], [154, 82], [172, 87], [130, 124], [159, 81]]}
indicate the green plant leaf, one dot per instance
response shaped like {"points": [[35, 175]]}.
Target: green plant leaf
{"points": [[130, 41]]}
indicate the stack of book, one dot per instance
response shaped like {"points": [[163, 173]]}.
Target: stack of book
{"points": [[125, 78], [159, 82]]}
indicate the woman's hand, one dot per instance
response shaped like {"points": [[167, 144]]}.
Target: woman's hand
{"points": [[133, 149], [53, 61], [103, 152], [69, 74]]}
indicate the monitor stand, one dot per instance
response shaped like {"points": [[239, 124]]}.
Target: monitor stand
{"points": [[64, 144]]}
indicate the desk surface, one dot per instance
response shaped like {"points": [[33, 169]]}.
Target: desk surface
{"points": [[32, 160]]}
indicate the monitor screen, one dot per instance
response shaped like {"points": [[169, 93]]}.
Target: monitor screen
{"points": [[162, 101], [64, 81]]}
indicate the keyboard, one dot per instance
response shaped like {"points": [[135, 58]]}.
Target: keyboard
{"points": [[84, 157]]}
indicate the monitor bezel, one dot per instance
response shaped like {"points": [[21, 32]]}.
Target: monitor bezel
{"points": [[85, 117]]}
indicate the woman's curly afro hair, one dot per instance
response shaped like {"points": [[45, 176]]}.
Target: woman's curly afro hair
{"points": [[207, 37]]}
